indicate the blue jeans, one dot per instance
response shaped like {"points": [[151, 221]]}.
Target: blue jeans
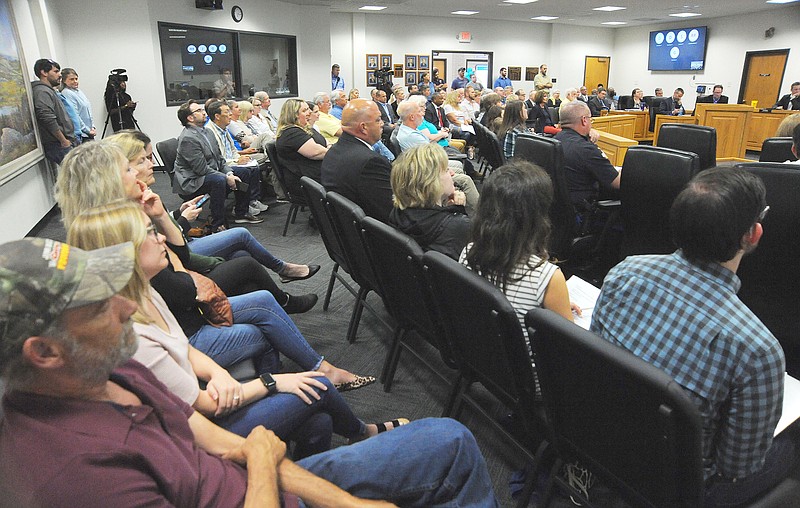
{"points": [[55, 152], [261, 329], [309, 426], [429, 463], [233, 243]]}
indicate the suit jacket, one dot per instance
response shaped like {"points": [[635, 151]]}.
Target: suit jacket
{"points": [[361, 175], [391, 117], [529, 104], [709, 99], [596, 104], [197, 157], [432, 117], [784, 102], [542, 114], [668, 105]]}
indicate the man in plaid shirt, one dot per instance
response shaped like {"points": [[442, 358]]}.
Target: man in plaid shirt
{"points": [[680, 313]]}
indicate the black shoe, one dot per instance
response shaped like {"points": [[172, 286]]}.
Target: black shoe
{"points": [[247, 219], [300, 304], [312, 270]]}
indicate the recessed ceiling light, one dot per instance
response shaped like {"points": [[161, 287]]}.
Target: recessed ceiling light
{"points": [[781, 1], [465, 13], [685, 15], [545, 18], [520, 1], [615, 23], [372, 8], [609, 8]]}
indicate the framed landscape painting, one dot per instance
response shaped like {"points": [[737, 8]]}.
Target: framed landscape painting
{"points": [[19, 142]]}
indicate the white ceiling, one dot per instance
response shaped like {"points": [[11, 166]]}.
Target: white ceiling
{"points": [[570, 12]]}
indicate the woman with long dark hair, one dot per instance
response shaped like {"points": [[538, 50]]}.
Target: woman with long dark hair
{"points": [[513, 124]]}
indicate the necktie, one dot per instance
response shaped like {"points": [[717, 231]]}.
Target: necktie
{"points": [[441, 120]]}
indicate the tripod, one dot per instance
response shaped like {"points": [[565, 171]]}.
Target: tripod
{"points": [[118, 118]]}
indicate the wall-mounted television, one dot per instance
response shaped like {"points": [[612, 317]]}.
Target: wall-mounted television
{"points": [[678, 49]]}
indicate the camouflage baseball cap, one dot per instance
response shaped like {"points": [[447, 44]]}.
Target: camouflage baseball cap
{"points": [[41, 278]]}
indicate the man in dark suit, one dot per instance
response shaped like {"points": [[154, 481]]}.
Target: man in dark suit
{"points": [[583, 96], [200, 167], [599, 103], [715, 98], [672, 105], [352, 169], [434, 113], [388, 115], [792, 100]]}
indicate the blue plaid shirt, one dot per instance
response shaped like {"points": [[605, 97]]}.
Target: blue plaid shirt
{"points": [[686, 319]]}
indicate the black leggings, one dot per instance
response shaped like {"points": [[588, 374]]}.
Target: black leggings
{"points": [[244, 275]]}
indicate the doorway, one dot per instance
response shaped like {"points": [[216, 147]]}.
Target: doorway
{"points": [[596, 69], [448, 63], [762, 77]]}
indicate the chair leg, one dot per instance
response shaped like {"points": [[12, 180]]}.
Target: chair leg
{"points": [[294, 215], [548, 490], [330, 287], [454, 399], [392, 358], [288, 218], [357, 311], [530, 485]]}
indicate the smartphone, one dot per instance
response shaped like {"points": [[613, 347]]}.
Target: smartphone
{"points": [[242, 187], [202, 200]]}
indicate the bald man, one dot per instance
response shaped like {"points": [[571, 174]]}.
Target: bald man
{"points": [[352, 168]]}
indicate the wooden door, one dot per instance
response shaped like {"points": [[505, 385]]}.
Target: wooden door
{"points": [[596, 71], [441, 64], [762, 77]]}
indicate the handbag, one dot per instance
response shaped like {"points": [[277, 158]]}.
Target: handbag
{"points": [[211, 301]]}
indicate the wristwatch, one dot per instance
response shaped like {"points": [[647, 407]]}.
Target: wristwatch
{"points": [[268, 381]]}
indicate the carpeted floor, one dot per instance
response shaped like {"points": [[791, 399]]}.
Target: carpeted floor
{"points": [[416, 393]]}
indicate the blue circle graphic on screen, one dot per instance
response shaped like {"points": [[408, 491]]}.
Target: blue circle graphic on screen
{"points": [[659, 38], [202, 48], [212, 48], [191, 48], [681, 36], [674, 52], [694, 35], [207, 59], [670, 37], [222, 48]]}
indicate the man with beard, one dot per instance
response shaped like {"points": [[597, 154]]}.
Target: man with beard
{"points": [[86, 426], [680, 313], [55, 125]]}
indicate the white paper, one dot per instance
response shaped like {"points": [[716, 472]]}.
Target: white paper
{"points": [[791, 403], [584, 295]]}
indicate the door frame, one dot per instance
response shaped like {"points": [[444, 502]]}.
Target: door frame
{"points": [[747, 58], [489, 55]]}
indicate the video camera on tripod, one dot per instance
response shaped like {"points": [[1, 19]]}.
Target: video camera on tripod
{"points": [[119, 104], [383, 80], [116, 77]]}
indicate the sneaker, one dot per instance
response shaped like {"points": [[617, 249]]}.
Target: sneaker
{"points": [[252, 210], [247, 219], [258, 204]]}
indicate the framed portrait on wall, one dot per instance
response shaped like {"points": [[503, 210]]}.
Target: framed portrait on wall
{"points": [[411, 78], [371, 81], [386, 61], [398, 70], [411, 62], [372, 62], [424, 62], [20, 146], [515, 73], [530, 73]]}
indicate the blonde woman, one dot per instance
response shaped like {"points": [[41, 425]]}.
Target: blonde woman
{"points": [[460, 120], [426, 205], [300, 148], [303, 407]]}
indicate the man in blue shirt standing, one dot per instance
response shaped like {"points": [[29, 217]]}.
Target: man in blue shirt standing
{"points": [[337, 83], [502, 80], [460, 81], [680, 313]]}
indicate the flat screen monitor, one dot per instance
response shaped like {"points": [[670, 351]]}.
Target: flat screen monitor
{"points": [[678, 49]]}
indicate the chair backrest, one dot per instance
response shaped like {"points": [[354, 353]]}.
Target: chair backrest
{"points": [[652, 177], [315, 195], [394, 144], [482, 329], [554, 114], [777, 150], [168, 150], [397, 262], [625, 420], [625, 102], [346, 217], [290, 186], [770, 273], [698, 139], [655, 106], [549, 155], [489, 145]]}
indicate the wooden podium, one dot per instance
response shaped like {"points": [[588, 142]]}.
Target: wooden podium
{"points": [[763, 125], [640, 125], [731, 122]]}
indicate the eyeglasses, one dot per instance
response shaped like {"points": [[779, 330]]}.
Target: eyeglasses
{"points": [[198, 110], [152, 230], [763, 214], [589, 117]]}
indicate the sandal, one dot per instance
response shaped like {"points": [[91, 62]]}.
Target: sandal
{"points": [[312, 270], [395, 423], [358, 382]]}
